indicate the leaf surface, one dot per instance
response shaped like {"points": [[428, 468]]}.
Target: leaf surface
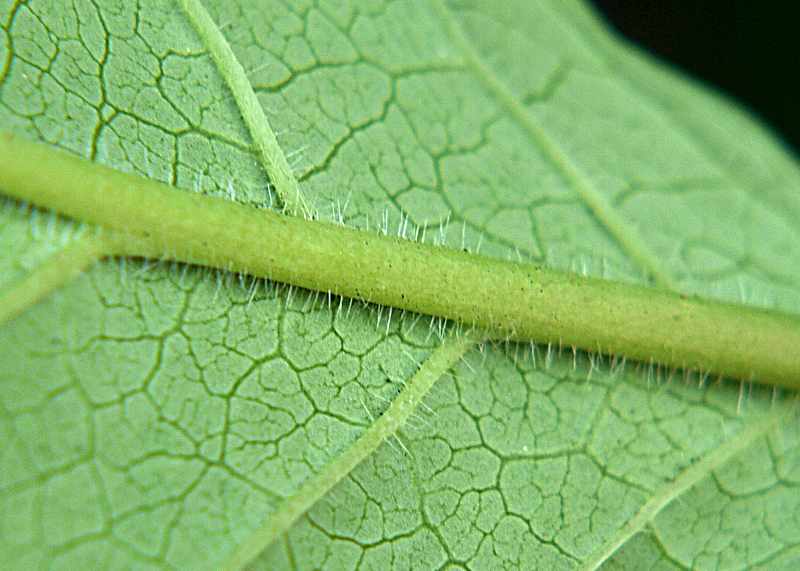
{"points": [[161, 416]]}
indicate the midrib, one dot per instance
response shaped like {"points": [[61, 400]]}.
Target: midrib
{"points": [[276, 166]]}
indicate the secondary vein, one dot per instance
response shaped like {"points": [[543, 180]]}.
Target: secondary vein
{"points": [[613, 223], [54, 272], [686, 480], [269, 151], [404, 405]]}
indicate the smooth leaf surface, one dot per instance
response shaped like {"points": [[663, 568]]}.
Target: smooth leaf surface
{"points": [[158, 416]]}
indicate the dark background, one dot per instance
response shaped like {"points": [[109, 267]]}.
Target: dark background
{"points": [[747, 49]]}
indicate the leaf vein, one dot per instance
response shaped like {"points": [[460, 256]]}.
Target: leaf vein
{"points": [[619, 229], [270, 152], [684, 481], [56, 271], [404, 405]]}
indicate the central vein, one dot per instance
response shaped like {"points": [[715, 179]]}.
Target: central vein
{"points": [[509, 300]]}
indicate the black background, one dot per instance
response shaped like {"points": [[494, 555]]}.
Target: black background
{"points": [[747, 49]]}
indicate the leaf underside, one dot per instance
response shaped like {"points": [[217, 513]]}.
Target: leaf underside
{"points": [[157, 416]]}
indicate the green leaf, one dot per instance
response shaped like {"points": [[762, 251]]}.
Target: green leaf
{"points": [[154, 415]]}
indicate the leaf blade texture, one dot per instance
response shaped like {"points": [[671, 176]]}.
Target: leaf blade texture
{"points": [[156, 416]]}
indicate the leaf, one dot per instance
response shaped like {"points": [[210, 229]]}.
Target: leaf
{"points": [[158, 416]]}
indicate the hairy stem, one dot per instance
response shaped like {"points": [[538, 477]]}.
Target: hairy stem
{"points": [[519, 301]]}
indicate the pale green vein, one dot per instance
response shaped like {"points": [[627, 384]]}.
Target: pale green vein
{"points": [[437, 364], [786, 559], [589, 29], [592, 197], [53, 273], [269, 151], [686, 480], [277, 167], [146, 218], [512, 300]]}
